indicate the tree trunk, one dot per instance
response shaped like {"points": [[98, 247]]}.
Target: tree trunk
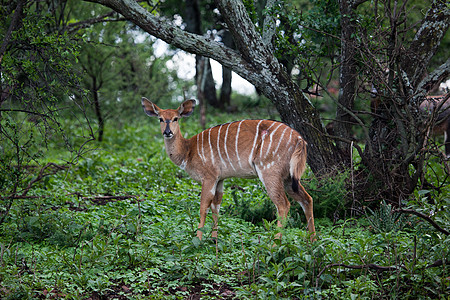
{"points": [[193, 25], [397, 138], [225, 91], [209, 87], [98, 112], [201, 78], [347, 78]]}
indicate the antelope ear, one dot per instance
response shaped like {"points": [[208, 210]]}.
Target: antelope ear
{"points": [[150, 108], [186, 108]]}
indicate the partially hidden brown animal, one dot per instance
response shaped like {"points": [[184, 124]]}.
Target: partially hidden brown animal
{"points": [[269, 150], [442, 126]]}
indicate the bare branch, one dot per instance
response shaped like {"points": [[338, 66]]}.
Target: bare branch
{"points": [[86, 23], [374, 267]]}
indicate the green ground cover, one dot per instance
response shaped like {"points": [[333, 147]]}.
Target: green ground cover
{"points": [[121, 225]]}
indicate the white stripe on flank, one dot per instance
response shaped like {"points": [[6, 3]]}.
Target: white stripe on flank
{"points": [[226, 147], [210, 146], [279, 142], [260, 176], [290, 136], [237, 137], [271, 136], [198, 149], [263, 139], [203, 148], [218, 147], [250, 157]]}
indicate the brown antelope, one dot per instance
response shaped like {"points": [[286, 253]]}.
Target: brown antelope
{"points": [[442, 104], [266, 149]]}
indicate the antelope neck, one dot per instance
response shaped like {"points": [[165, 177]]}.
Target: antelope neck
{"points": [[177, 148]]}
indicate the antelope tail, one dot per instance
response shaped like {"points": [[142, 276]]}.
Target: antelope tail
{"points": [[298, 164]]}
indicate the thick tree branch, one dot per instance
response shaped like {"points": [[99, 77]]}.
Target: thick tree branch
{"points": [[189, 42], [426, 42], [247, 39], [269, 25]]}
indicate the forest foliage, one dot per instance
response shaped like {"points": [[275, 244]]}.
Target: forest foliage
{"points": [[91, 207]]}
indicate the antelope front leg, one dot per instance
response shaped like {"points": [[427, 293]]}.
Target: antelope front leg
{"points": [[208, 194]]}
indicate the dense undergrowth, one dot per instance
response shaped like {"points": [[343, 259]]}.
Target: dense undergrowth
{"points": [[121, 225]]}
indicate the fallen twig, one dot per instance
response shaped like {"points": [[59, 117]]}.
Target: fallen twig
{"points": [[375, 267], [103, 198], [356, 267]]}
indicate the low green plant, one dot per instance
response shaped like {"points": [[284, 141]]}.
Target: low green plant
{"points": [[385, 219]]}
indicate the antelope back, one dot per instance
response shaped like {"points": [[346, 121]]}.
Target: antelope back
{"points": [[443, 104], [246, 148]]}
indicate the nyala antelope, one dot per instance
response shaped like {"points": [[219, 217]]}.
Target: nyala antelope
{"points": [[270, 150], [442, 103]]}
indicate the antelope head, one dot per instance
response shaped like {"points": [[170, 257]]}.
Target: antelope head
{"points": [[168, 118]]}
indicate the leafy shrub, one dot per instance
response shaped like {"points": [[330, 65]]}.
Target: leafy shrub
{"points": [[329, 194], [253, 206], [384, 219]]}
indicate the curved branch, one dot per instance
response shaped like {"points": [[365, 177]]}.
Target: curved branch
{"points": [[193, 43], [86, 23], [425, 217]]}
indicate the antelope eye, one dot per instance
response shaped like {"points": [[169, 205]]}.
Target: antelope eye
{"points": [[175, 119], [161, 120]]}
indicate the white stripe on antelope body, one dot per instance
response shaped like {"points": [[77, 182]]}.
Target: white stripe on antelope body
{"points": [[270, 150]]}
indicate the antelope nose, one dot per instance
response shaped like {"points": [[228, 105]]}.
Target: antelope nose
{"points": [[167, 132]]}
